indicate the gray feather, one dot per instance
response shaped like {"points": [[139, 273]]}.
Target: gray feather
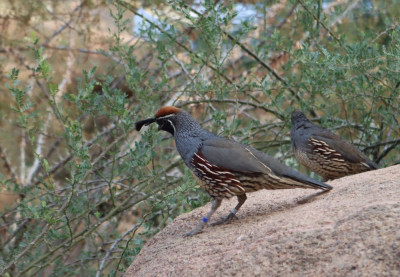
{"points": [[225, 153]]}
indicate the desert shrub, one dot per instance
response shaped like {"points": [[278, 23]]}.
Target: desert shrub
{"points": [[87, 190]]}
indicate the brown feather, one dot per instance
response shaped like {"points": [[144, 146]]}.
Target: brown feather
{"points": [[167, 110]]}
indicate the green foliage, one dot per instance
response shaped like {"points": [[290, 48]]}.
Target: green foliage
{"points": [[93, 190]]}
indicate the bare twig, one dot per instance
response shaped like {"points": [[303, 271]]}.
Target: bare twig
{"points": [[7, 164], [232, 101], [288, 15], [22, 161], [66, 25], [320, 22], [352, 6], [386, 151], [40, 141], [391, 28], [85, 51], [61, 89], [19, 228], [25, 250], [216, 70], [78, 237], [254, 56], [182, 66], [389, 142], [115, 243], [65, 160]]}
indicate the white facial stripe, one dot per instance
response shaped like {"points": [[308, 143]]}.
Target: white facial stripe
{"points": [[166, 116], [172, 126]]}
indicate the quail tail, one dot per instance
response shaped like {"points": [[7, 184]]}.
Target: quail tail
{"points": [[319, 185]]}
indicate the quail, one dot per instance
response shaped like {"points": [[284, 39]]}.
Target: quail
{"points": [[324, 152], [223, 167]]}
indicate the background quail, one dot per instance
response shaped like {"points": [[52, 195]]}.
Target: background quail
{"points": [[324, 152], [224, 167]]}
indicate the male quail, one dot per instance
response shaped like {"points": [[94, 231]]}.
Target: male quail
{"points": [[225, 168], [324, 152]]}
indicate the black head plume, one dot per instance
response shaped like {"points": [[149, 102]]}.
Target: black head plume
{"points": [[139, 124]]}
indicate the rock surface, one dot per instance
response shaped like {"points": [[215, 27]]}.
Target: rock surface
{"points": [[354, 230]]}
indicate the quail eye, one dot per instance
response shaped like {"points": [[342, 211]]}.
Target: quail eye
{"points": [[166, 125], [162, 124]]}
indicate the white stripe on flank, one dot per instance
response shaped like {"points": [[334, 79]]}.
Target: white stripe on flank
{"points": [[200, 158], [209, 170]]}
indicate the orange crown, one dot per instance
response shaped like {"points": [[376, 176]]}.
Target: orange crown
{"points": [[166, 111]]}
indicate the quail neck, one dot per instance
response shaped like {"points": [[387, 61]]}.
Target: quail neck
{"points": [[300, 124], [189, 135]]}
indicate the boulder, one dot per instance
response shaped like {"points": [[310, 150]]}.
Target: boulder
{"points": [[353, 230]]}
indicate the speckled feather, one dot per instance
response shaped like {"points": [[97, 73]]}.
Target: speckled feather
{"points": [[324, 152], [224, 175]]}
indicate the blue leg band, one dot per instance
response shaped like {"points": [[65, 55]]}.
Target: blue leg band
{"points": [[205, 220]]}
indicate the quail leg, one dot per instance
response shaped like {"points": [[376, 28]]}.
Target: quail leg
{"points": [[215, 203], [225, 219]]}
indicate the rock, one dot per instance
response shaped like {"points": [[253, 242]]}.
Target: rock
{"points": [[353, 230]]}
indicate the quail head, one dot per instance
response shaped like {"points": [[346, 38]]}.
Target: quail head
{"points": [[225, 168], [324, 152]]}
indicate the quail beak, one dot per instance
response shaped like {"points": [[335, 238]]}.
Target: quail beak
{"points": [[139, 124]]}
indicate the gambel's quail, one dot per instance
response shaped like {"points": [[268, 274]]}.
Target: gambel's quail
{"points": [[324, 152], [225, 168]]}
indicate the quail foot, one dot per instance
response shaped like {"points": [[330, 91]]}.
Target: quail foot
{"points": [[223, 167]]}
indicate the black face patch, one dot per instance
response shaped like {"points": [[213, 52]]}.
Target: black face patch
{"points": [[166, 125]]}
